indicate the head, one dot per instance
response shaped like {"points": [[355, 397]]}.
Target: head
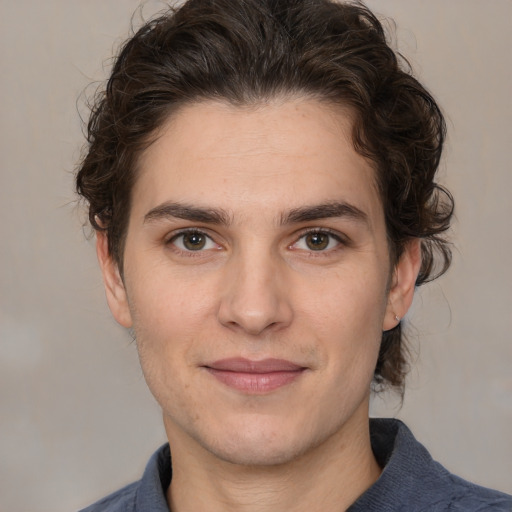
{"points": [[250, 53]]}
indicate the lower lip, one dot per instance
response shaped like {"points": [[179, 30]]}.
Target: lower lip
{"points": [[255, 383]]}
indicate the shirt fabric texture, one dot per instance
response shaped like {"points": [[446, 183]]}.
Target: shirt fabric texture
{"points": [[411, 481]]}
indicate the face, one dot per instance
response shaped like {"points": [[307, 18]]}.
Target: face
{"points": [[257, 278]]}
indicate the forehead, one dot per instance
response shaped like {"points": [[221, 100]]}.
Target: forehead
{"points": [[279, 155]]}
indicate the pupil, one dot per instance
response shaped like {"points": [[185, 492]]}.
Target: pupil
{"points": [[317, 241], [194, 241]]}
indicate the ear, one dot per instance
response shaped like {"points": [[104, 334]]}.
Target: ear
{"points": [[114, 287], [403, 284]]}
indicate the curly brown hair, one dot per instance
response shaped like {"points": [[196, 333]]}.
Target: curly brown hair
{"points": [[247, 51]]}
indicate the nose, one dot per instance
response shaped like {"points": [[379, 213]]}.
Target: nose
{"points": [[255, 298]]}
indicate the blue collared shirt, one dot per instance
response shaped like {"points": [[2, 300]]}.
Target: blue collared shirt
{"points": [[411, 481]]}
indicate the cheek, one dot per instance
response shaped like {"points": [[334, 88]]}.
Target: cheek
{"points": [[167, 328], [349, 299], [169, 320], [169, 301], [346, 313]]}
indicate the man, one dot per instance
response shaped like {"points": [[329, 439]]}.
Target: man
{"points": [[261, 178]]}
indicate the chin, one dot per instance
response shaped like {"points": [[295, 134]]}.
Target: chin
{"points": [[257, 446], [254, 455]]}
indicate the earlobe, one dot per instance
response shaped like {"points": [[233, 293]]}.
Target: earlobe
{"points": [[114, 287], [403, 284]]}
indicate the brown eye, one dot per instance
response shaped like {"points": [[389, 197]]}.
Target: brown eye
{"points": [[317, 241], [194, 241]]}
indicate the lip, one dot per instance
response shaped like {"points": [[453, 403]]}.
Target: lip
{"points": [[255, 377]]}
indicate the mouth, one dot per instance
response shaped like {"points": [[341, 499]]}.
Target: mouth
{"points": [[255, 377]]}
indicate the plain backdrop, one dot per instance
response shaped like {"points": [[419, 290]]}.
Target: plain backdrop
{"points": [[76, 420]]}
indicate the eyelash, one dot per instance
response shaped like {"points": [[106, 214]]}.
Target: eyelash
{"points": [[190, 232], [313, 231], [341, 240]]}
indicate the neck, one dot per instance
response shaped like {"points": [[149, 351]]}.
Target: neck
{"points": [[329, 477]]}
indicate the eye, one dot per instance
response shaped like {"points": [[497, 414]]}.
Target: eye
{"points": [[188, 241], [317, 241]]}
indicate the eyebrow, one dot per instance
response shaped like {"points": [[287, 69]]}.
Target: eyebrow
{"points": [[325, 211], [193, 213], [222, 217]]}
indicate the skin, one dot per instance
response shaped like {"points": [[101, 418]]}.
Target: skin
{"points": [[256, 286]]}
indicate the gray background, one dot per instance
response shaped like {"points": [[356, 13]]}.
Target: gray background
{"points": [[76, 419]]}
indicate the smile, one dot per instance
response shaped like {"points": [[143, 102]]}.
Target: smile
{"points": [[255, 377]]}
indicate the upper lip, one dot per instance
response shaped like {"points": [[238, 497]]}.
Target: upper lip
{"points": [[242, 365]]}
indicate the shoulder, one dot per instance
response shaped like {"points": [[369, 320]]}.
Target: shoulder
{"points": [[441, 490], [448, 492], [122, 500], [146, 494], [411, 481]]}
